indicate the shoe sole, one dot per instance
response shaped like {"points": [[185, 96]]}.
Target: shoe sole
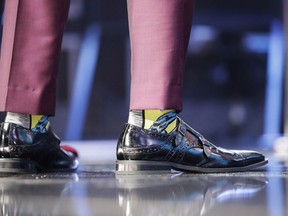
{"points": [[131, 167], [14, 165], [21, 166]]}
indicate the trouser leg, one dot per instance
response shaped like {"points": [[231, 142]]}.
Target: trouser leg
{"points": [[32, 36], [159, 34]]}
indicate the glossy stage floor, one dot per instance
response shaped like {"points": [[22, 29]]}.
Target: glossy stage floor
{"points": [[96, 190]]}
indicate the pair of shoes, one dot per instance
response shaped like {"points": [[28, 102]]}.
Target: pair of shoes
{"points": [[25, 151], [138, 150], [184, 149]]}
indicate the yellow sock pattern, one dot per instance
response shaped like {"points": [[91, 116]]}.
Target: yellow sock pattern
{"points": [[34, 120], [39, 122], [151, 116]]}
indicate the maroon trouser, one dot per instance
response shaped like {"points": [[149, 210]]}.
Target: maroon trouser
{"points": [[32, 35]]}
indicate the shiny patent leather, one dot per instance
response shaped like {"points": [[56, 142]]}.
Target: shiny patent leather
{"points": [[22, 150], [183, 149]]}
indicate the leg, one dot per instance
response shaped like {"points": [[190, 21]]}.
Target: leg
{"points": [[31, 45], [30, 51], [159, 37], [159, 33]]}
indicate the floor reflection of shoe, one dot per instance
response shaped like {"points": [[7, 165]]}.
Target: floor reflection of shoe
{"points": [[158, 195], [22, 150], [34, 196], [226, 189], [183, 149]]}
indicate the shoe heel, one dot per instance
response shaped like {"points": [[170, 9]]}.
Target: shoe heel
{"points": [[131, 167], [14, 165]]}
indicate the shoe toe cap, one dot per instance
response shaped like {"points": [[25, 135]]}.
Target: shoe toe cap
{"points": [[251, 157]]}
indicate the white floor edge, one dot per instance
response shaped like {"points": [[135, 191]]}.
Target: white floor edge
{"points": [[94, 149]]}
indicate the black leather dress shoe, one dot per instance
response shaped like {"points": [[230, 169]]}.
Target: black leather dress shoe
{"points": [[183, 149], [22, 151]]}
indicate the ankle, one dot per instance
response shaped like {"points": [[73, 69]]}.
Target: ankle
{"points": [[36, 123], [161, 121]]}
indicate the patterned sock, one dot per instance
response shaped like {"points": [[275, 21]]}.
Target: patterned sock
{"points": [[36, 123], [161, 121]]}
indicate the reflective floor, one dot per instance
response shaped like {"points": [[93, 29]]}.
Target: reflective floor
{"points": [[96, 190]]}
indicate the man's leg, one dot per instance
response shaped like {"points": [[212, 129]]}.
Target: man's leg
{"points": [[30, 52], [155, 138], [159, 33]]}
